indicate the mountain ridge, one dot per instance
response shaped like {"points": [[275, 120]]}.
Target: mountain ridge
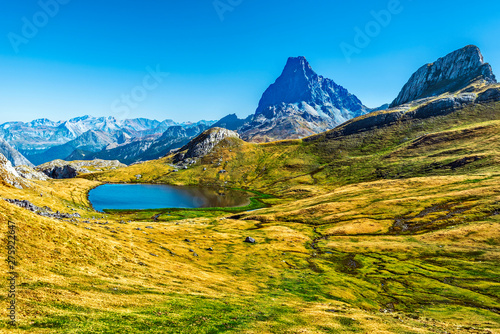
{"points": [[450, 73]]}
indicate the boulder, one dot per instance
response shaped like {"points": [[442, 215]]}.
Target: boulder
{"points": [[250, 240]]}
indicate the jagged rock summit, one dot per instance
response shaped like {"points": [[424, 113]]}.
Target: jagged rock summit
{"points": [[203, 144], [451, 73], [301, 103]]}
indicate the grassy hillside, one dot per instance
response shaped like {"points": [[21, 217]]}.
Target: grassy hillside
{"points": [[395, 230]]}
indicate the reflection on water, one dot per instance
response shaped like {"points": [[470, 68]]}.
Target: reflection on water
{"points": [[149, 196]]}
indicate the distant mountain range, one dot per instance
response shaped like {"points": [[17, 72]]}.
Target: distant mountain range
{"points": [[43, 140], [299, 104]]}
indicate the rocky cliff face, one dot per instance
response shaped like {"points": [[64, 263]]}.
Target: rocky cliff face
{"points": [[9, 176], [16, 158], [419, 109], [301, 103], [204, 144], [454, 82], [451, 73]]}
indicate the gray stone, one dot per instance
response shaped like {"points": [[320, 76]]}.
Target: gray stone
{"points": [[250, 240], [451, 73]]}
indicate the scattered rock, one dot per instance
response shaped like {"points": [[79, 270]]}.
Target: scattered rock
{"points": [[44, 212], [250, 240]]}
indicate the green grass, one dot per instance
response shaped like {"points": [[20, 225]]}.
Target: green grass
{"points": [[332, 253]]}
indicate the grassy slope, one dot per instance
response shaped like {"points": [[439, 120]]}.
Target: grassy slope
{"points": [[394, 219]]}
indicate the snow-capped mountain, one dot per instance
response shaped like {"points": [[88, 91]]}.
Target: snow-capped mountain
{"points": [[43, 140], [142, 149]]}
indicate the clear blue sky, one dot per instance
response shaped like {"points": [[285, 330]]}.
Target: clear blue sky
{"points": [[82, 60]]}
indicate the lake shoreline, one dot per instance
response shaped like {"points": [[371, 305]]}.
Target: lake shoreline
{"points": [[151, 197]]}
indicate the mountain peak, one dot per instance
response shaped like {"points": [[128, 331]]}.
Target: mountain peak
{"points": [[297, 63], [450, 73], [299, 83], [300, 103]]}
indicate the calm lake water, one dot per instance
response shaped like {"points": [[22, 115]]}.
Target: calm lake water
{"points": [[152, 196]]}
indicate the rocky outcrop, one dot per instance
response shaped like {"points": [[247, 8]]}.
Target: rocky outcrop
{"points": [[30, 174], [60, 169], [9, 175], [12, 154], [203, 144], [454, 82], [420, 109], [451, 73], [63, 172], [489, 95], [301, 103], [42, 211]]}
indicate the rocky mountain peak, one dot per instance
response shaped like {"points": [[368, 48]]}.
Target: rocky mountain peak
{"points": [[298, 82], [451, 73], [298, 67], [301, 103]]}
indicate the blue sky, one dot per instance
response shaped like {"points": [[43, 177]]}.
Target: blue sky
{"points": [[86, 55]]}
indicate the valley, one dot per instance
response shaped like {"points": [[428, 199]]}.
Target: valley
{"points": [[386, 223]]}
